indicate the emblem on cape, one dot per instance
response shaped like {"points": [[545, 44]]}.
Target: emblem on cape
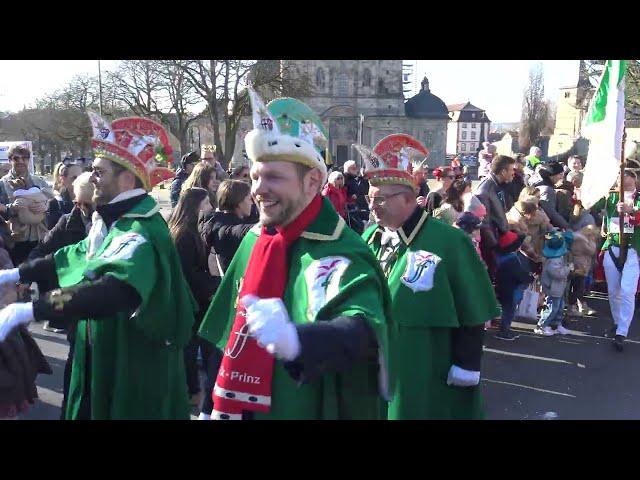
{"points": [[420, 271], [242, 336], [123, 246], [323, 282]]}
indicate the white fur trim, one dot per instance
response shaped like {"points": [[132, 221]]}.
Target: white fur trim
{"points": [[263, 146]]}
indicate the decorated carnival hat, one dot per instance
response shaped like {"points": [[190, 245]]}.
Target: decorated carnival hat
{"points": [[286, 130], [393, 159], [138, 144]]}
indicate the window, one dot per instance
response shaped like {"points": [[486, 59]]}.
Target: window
{"points": [[427, 138], [464, 135], [342, 85], [463, 147], [473, 115], [366, 78], [473, 125], [567, 94], [320, 78], [473, 135], [464, 125]]}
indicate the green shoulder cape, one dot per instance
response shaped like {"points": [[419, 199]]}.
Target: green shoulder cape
{"points": [[137, 363]]}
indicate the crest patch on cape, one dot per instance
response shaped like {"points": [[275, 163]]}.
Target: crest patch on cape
{"points": [[323, 281], [420, 271], [123, 246]]}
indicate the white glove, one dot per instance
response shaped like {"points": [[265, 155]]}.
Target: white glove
{"points": [[14, 315], [459, 377], [9, 276], [269, 324]]}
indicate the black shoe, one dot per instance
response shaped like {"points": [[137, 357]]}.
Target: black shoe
{"points": [[508, 336], [611, 332], [618, 343]]}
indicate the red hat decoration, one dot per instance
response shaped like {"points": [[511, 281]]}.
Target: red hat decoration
{"points": [[139, 144]]}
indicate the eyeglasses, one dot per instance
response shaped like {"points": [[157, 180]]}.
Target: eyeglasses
{"points": [[380, 199]]}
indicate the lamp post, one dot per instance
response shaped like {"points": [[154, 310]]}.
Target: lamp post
{"points": [[100, 88]]}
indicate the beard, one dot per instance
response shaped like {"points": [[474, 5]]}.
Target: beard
{"points": [[103, 195], [280, 214]]}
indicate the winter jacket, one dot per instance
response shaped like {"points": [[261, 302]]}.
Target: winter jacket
{"points": [[489, 192], [223, 232], [583, 251], [512, 190], [513, 270], [20, 359], [555, 273], [70, 228], [548, 201], [194, 261], [358, 186], [56, 207], [176, 186], [337, 197]]}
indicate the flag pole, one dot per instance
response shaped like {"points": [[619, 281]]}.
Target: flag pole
{"points": [[623, 239]]}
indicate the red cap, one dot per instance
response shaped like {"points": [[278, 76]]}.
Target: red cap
{"points": [[507, 239]]}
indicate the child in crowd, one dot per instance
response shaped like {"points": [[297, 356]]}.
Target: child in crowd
{"points": [[555, 274], [583, 250], [513, 274], [470, 224]]}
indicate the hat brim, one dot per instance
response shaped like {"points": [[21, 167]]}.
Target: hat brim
{"points": [[555, 252]]}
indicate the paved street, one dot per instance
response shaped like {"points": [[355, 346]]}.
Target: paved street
{"points": [[579, 376]]}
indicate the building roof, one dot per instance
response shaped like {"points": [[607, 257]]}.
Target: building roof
{"points": [[425, 104], [456, 107]]}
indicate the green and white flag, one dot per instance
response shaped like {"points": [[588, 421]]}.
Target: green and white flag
{"points": [[603, 127]]}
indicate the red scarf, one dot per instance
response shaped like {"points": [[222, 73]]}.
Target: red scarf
{"points": [[244, 378]]}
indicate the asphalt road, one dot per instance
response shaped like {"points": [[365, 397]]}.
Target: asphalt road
{"points": [[578, 376]]}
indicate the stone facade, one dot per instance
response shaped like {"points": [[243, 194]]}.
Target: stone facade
{"points": [[358, 101]]}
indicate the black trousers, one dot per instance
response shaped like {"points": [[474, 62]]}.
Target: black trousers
{"points": [[21, 251], [576, 289], [191, 365], [212, 357]]}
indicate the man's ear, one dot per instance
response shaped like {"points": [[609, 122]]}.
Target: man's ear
{"points": [[314, 179]]}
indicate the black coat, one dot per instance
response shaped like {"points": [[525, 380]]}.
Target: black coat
{"points": [[223, 232], [196, 271], [69, 229], [358, 186], [56, 207], [512, 191]]}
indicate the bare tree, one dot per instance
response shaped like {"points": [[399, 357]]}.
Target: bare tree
{"points": [[535, 109], [221, 84]]}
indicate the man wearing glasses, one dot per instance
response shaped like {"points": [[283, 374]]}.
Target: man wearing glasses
{"points": [[19, 178], [440, 298]]}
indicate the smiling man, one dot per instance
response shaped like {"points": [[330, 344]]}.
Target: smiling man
{"points": [[440, 298], [123, 285], [300, 314]]}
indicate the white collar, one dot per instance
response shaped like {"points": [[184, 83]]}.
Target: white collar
{"points": [[128, 194]]}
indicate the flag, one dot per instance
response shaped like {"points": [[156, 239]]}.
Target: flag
{"points": [[603, 127]]}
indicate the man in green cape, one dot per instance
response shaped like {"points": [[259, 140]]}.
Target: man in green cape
{"points": [[300, 313], [124, 286], [440, 293]]}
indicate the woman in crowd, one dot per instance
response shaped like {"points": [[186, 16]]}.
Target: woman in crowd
{"points": [[222, 234], [64, 175], [183, 227], [453, 205], [336, 192], [203, 175], [445, 177], [225, 229]]}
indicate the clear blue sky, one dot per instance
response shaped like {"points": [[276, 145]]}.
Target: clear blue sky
{"points": [[494, 85]]}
